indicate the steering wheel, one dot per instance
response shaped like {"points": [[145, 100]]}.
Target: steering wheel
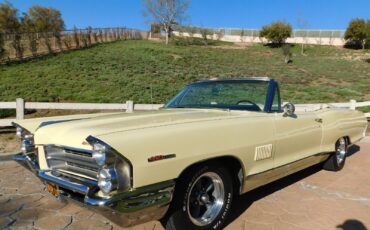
{"points": [[250, 102]]}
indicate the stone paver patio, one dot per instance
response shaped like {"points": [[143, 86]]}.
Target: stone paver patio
{"points": [[310, 199]]}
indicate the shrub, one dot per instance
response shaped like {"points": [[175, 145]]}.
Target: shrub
{"points": [[187, 41], [286, 48], [205, 33], [277, 32]]}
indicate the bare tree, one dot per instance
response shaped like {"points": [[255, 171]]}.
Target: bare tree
{"points": [[242, 35], [76, 38], [166, 12], [302, 25]]}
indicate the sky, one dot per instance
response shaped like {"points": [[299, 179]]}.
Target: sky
{"points": [[248, 14]]}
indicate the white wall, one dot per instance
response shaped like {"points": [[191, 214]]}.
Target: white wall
{"points": [[250, 39]]}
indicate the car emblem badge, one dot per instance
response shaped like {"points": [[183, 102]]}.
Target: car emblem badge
{"points": [[161, 157]]}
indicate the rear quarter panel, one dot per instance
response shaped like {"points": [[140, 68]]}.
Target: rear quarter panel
{"points": [[339, 123]]}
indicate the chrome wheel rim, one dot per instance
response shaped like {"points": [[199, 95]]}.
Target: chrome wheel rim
{"points": [[205, 199], [341, 150]]}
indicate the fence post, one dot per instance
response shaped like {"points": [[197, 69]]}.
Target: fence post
{"points": [[352, 105], [20, 108], [129, 106]]}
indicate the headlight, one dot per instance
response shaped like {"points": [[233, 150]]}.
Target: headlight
{"points": [[99, 154], [19, 132], [115, 171], [105, 180], [28, 144], [27, 140]]}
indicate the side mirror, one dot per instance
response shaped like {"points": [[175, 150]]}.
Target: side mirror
{"points": [[288, 109]]}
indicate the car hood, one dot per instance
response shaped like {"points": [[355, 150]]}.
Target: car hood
{"points": [[74, 132]]}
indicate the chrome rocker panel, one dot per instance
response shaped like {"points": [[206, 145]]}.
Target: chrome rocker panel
{"points": [[125, 209]]}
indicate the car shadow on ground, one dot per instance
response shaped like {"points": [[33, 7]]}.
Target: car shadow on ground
{"points": [[352, 224], [243, 202]]}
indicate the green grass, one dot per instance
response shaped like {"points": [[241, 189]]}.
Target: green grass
{"points": [[127, 70]]}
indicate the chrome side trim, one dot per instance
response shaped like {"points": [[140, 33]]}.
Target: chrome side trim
{"points": [[287, 165], [258, 179]]}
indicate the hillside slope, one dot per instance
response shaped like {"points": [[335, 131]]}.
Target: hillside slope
{"points": [[126, 70]]}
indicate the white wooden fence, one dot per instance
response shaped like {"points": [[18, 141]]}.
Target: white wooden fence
{"points": [[20, 105]]}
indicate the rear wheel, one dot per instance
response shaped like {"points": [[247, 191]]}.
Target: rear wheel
{"points": [[202, 200], [336, 160]]}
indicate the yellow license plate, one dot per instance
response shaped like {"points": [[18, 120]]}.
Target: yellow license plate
{"points": [[53, 189]]}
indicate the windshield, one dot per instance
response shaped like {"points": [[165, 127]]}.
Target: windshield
{"points": [[233, 94]]}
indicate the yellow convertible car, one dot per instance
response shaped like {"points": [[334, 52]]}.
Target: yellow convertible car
{"points": [[185, 163]]}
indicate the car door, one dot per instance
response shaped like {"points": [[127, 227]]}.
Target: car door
{"points": [[296, 137]]}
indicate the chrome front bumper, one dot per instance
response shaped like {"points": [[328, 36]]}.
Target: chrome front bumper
{"points": [[125, 209]]}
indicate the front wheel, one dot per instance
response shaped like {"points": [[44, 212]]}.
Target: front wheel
{"points": [[338, 158], [202, 200]]}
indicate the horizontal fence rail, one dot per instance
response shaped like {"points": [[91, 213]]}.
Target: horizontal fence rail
{"points": [[20, 105]]}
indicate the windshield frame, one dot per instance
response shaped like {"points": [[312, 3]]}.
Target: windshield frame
{"points": [[272, 86]]}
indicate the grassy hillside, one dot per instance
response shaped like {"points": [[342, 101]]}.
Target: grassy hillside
{"points": [[126, 70]]}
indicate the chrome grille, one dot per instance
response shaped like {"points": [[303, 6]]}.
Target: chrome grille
{"points": [[71, 161]]}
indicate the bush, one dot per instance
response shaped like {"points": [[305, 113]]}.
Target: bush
{"points": [[205, 33], [189, 41], [287, 53], [277, 32]]}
